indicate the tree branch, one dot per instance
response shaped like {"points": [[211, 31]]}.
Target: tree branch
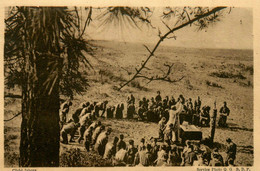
{"points": [[165, 36], [12, 96], [13, 117]]}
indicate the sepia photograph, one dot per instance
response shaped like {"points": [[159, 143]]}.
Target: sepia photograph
{"points": [[128, 86]]}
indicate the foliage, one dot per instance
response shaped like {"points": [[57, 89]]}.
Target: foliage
{"points": [[49, 37], [223, 74], [213, 84], [180, 15], [77, 158]]}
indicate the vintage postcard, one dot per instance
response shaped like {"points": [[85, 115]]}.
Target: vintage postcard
{"points": [[120, 85]]}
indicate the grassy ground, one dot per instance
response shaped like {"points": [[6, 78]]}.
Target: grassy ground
{"points": [[221, 75]]}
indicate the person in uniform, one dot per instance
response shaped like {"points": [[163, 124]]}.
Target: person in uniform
{"points": [[230, 152], [205, 116], [101, 141], [189, 156], [110, 150], [94, 125], [119, 111], [162, 126], [169, 134], [224, 113], [154, 150], [130, 111], [84, 121], [162, 156], [110, 111], [131, 152], [120, 158], [69, 129], [174, 158], [96, 133], [63, 112], [140, 112], [87, 137], [76, 114], [158, 98], [141, 146], [217, 159], [103, 108], [121, 143], [145, 156]]}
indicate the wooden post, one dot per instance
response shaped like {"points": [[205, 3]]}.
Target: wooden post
{"points": [[213, 124]]}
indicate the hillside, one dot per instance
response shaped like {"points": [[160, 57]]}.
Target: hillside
{"points": [[212, 74]]}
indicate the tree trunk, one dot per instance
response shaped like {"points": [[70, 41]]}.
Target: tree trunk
{"points": [[39, 144]]}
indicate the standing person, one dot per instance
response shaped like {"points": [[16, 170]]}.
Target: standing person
{"points": [[131, 152], [121, 143], [140, 112], [158, 98], [190, 110], [199, 102], [162, 126], [171, 102], [224, 113], [119, 111], [69, 129], [169, 135], [87, 138], [63, 112], [103, 108], [130, 111], [110, 150], [231, 152]]}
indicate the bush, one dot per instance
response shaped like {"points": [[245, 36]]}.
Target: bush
{"points": [[212, 84], [223, 74], [11, 159], [77, 158], [137, 85]]}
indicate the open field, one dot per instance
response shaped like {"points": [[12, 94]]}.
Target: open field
{"points": [[212, 74]]}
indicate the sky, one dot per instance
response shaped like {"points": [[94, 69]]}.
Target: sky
{"points": [[233, 31]]}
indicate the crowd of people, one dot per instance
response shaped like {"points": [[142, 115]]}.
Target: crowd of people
{"points": [[95, 135]]}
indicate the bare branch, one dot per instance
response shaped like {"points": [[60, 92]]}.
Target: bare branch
{"points": [[166, 25], [196, 18], [12, 96], [172, 37], [13, 117], [147, 49]]}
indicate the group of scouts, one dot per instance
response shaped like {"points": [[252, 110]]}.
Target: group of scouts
{"points": [[155, 109], [95, 135]]}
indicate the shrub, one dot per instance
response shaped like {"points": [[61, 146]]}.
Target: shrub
{"points": [[77, 158], [223, 74], [11, 159], [212, 84]]}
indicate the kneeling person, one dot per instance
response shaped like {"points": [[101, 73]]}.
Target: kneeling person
{"points": [[70, 128]]}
